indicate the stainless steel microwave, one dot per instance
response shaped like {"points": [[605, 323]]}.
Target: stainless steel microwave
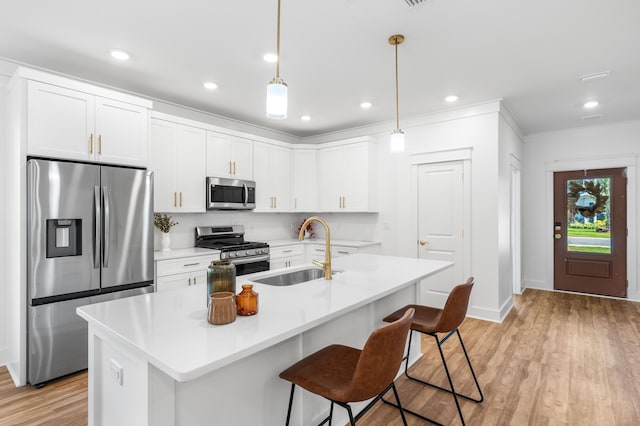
{"points": [[230, 194]]}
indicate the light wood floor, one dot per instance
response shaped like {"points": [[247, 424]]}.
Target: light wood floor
{"points": [[558, 359]]}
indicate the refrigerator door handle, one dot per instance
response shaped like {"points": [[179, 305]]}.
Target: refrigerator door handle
{"points": [[96, 227], [107, 227]]}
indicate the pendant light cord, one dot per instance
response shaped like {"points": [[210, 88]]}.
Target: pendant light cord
{"points": [[397, 98], [278, 44]]}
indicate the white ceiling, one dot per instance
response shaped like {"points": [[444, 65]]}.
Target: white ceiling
{"points": [[335, 54]]}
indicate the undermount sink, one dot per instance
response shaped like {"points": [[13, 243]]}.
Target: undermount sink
{"points": [[294, 277]]}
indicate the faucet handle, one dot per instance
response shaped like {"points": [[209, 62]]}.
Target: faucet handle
{"points": [[318, 263]]}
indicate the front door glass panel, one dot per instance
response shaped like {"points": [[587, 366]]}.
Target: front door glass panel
{"points": [[588, 215]]}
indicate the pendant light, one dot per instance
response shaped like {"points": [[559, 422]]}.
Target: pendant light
{"points": [[277, 88], [397, 136]]}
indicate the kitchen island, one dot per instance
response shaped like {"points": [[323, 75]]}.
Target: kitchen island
{"points": [[155, 360]]}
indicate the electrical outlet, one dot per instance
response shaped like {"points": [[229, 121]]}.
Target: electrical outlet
{"points": [[116, 371]]}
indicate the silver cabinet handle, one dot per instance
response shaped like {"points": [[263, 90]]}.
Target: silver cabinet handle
{"points": [[191, 264], [189, 281], [287, 251], [194, 281]]}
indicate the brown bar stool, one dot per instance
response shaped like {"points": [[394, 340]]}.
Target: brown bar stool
{"points": [[432, 321], [343, 374]]}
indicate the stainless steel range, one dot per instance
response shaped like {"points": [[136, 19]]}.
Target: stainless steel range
{"points": [[247, 256]]}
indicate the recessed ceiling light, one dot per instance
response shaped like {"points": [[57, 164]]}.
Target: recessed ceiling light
{"points": [[451, 98], [210, 85], [591, 104], [305, 117], [270, 57], [597, 76], [365, 105], [120, 55]]}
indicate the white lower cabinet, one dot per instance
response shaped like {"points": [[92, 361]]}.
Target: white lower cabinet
{"points": [[183, 272], [286, 256]]}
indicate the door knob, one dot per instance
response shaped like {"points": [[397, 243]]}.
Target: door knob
{"points": [[558, 236], [423, 243]]}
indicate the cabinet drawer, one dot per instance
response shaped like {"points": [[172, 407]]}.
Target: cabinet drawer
{"points": [[286, 251], [184, 265], [337, 251], [177, 281]]}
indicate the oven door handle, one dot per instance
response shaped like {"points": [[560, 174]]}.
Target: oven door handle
{"points": [[252, 259]]}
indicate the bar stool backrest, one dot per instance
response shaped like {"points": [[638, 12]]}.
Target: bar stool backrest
{"points": [[380, 359], [455, 309]]}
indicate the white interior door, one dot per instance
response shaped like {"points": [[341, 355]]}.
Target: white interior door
{"points": [[441, 217]]}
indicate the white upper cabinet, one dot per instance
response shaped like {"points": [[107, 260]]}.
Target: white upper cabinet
{"points": [[229, 156], [272, 173], [75, 125], [305, 180], [177, 158], [347, 179]]}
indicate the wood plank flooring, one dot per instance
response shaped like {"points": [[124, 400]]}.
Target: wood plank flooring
{"points": [[558, 359]]}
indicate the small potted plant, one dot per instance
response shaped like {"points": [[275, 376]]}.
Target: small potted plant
{"points": [[308, 231], [164, 223]]}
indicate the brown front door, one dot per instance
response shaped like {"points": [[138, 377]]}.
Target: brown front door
{"points": [[590, 231]]}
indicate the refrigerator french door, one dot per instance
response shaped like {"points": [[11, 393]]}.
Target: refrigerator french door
{"points": [[89, 239]]}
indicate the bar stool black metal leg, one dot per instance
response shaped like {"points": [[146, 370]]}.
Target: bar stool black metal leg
{"points": [[395, 393], [351, 420], [293, 387], [469, 398], [453, 391], [475, 379]]}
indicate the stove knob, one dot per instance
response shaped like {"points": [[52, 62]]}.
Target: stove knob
{"points": [[251, 252], [232, 254], [238, 254]]}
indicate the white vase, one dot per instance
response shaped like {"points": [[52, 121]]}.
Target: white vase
{"points": [[165, 242]]}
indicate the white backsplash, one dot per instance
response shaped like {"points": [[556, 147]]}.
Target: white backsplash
{"points": [[271, 226]]}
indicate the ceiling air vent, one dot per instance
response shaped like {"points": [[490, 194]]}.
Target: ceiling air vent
{"points": [[412, 3]]}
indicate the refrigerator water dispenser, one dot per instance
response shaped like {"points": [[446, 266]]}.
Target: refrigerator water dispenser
{"points": [[64, 237]]}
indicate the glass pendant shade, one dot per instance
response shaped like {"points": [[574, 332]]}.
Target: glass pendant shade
{"points": [[397, 141], [277, 99]]}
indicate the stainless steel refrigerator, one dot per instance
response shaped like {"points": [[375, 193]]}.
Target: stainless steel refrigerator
{"points": [[89, 239]]}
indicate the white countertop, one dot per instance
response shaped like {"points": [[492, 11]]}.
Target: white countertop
{"points": [[346, 243], [170, 329], [184, 252]]}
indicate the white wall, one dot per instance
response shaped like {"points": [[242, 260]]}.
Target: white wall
{"points": [[586, 147], [511, 144], [4, 344]]}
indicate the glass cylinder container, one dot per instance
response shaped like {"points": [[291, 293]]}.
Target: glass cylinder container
{"points": [[221, 276], [247, 300]]}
